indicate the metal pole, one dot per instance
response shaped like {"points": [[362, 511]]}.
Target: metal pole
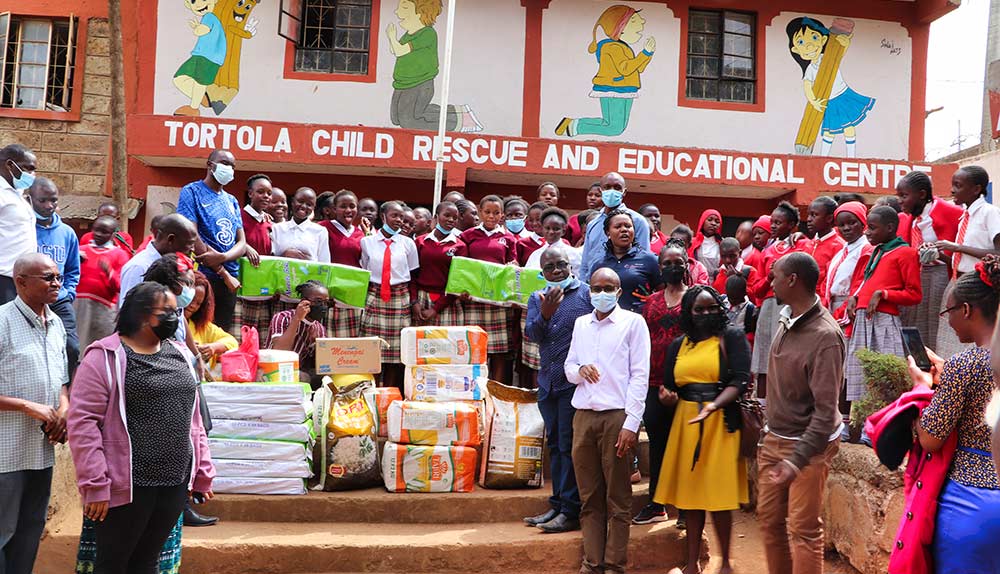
{"points": [[443, 117]]}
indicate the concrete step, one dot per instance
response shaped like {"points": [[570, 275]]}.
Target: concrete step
{"points": [[376, 506]]}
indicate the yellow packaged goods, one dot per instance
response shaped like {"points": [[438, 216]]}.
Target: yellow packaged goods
{"points": [[443, 346], [278, 366], [440, 383], [447, 424], [348, 448], [415, 468], [362, 355], [512, 454]]}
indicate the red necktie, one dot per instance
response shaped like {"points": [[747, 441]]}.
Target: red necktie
{"points": [[956, 257], [385, 290], [916, 235]]}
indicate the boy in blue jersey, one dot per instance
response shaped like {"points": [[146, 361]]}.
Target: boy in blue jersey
{"points": [[199, 71]]}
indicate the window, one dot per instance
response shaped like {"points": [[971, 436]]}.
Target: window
{"points": [[36, 62], [330, 36], [721, 61]]}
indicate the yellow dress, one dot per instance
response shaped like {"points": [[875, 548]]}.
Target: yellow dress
{"points": [[719, 479]]}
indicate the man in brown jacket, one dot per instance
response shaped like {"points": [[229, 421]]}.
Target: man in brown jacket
{"points": [[804, 378]]}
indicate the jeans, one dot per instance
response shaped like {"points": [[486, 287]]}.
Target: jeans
{"points": [[657, 419], [967, 529], [557, 411], [64, 308], [24, 504], [225, 304], [130, 538]]}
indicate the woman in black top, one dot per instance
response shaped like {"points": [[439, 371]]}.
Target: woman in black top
{"points": [[637, 268]]}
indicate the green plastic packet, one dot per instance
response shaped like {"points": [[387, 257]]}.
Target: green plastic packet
{"points": [[493, 283], [280, 275]]}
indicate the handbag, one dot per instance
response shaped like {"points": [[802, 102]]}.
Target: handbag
{"points": [[751, 417]]}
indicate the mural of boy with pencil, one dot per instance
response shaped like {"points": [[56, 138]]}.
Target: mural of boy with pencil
{"points": [[617, 83], [416, 68], [833, 106]]}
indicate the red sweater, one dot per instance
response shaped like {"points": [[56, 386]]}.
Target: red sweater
{"points": [[127, 244], [657, 242], [772, 253], [525, 247], [345, 250], [435, 262], [97, 284], [258, 234], [897, 275], [497, 248], [721, 278], [823, 251]]}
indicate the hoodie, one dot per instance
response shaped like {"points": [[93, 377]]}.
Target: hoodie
{"points": [[98, 433], [59, 242]]}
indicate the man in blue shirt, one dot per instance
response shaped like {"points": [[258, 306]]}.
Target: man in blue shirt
{"points": [[59, 242], [199, 71], [613, 190], [552, 312], [221, 240]]}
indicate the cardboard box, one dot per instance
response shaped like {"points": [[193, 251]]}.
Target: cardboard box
{"points": [[362, 355]]}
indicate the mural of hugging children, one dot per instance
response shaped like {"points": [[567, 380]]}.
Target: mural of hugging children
{"points": [[617, 83], [416, 53], [199, 71], [833, 107]]}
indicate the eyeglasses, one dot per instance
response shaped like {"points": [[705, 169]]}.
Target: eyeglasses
{"points": [[604, 289], [950, 309], [48, 277], [557, 265]]}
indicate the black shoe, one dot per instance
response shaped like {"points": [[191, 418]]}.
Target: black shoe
{"points": [[192, 518], [650, 513], [560, 523], [682, 523], [541, 518]]}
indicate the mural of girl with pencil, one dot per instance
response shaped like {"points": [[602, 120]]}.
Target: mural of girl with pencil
{"points": [[833, 106], [617, 83]]}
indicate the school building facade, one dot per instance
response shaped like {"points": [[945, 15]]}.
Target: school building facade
{"points": [[725, 103]]}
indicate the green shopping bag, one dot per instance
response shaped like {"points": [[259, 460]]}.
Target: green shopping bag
{"points": [[493, 283], [348, 285]]}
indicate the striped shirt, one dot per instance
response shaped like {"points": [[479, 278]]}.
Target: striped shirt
{"points": [[305, 339], [555, 335]]}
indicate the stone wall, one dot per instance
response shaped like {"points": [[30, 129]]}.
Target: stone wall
{"points": [[864, 502], [75, 153]]}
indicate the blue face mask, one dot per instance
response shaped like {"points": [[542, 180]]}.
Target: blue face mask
{"points": [[23, 181], [604, 302], [612, 197], [41, 217], [560, 284], [185, 298], [388, 230], [442, 230], [515, 225]]}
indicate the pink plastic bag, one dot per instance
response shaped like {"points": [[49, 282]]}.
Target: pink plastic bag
{"points": [[240, 365]]}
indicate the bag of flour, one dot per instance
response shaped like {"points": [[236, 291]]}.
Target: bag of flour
{"points": [[515, 432], [448, 424], [348, 448], [415, 468]]}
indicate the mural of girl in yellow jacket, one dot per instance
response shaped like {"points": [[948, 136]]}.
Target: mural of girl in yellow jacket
{"points": [[616, 84]]}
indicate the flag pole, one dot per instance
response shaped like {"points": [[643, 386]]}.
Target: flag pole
{"points": [[443, 116]]}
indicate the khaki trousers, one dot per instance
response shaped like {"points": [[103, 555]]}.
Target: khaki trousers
{"points": [[605, 490], [791, 515]]}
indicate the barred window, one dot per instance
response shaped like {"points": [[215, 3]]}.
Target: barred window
{"points": [[332, 36], [722, 59], [37, 62]]}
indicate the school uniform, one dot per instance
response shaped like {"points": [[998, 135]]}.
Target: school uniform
{"points": [[847, 270], [706, 249], [526, 246], [657, 242], [256, 312], [977, 227], [748, 272], [495, 246], [388, 306], [435, 257], [894, 269], [575, 255], [938, 221], [767, 318], [308, 237], [345, 249], [824, 248]]}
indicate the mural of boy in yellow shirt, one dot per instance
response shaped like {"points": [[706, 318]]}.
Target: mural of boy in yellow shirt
{"points": [[199, 71]]}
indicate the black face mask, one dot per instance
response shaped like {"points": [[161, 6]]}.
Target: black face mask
{"points": [[167, 327], [317, 311], [673, 274], [710, 323]]}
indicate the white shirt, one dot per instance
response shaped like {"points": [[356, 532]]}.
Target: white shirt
{"points": [[308, 237], [133, 271], [926, 223], [984, 225], [845, 261], [839, 86], [254, 213], [346, 231], [747, 252], [575, 256], [17, 227], [619, 347], [708, 254], [404, 257]]}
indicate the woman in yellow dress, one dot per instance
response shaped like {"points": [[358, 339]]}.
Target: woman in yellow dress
{"points": [[707, 370], [210, 339]]}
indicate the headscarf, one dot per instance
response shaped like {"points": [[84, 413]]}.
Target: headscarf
{"points": [[184, 263], [855, 208], [699, 237]]}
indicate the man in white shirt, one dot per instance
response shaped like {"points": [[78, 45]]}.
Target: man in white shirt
{"points": [[608, 361], [17, 232]]}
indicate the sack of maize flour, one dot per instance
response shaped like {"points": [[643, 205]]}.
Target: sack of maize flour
{"points": [[443, 346], [446, 424], [382, 397], [262, 468], [245, 485], [257, 393], [512, 451], [270, 413], [348, 447], [416, 468], [224, 428], [441, 383], [244, 449]]}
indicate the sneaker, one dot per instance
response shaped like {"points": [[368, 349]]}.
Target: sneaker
{"points": [[650, 513]]}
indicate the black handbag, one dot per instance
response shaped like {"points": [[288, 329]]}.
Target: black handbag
{"points": [[752, 417]]}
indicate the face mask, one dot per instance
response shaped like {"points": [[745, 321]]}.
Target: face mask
{"points": [[223, 173], [40, 217], [560, 284], [186, 296], [23, 181], [604, 302], [515, 225], [388, 230], [612, 197], [673, 275], [317, 311], [710, 323], [167, 327], [442, 230]]}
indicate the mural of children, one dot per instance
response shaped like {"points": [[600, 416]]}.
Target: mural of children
{"points": [[618, 67], [843, 109], [199, 71], [416, 68], [239, 26]]}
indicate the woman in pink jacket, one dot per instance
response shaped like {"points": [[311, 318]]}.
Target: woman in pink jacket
{"points": [[136, 434]]}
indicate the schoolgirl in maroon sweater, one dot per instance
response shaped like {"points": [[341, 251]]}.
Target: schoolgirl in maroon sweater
{"points": [[435, 251]]}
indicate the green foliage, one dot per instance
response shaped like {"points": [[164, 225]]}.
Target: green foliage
{"points": [[886, 377]]}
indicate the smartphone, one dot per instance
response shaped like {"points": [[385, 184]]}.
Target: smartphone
{"points": [[915, 347]]}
